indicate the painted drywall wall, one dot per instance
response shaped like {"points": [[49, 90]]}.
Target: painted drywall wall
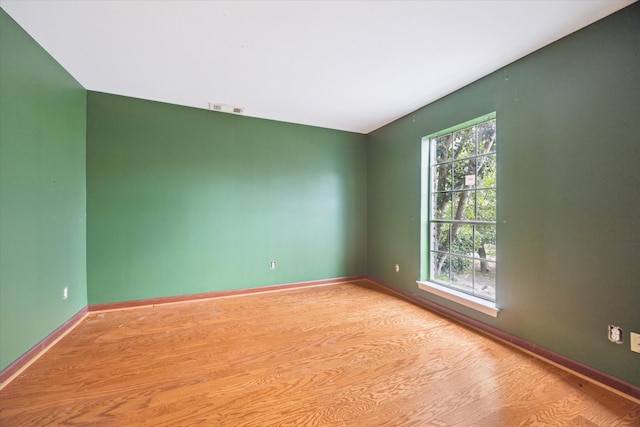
{"points": [[184, 200], [42, 193], [568, 200]]}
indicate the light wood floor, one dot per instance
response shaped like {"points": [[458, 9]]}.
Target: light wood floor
{"points": [[338, 355]]}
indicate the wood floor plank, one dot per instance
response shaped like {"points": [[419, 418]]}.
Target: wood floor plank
{"points": [[339, 355]]}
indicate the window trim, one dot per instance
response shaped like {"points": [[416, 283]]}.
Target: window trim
{"points": [[462, 298], [465, 299]]}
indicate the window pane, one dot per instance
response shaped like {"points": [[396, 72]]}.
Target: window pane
{"points": [[440, 267], [487, 137], [464, 174], [486, 281], [486, 176], [441, 237], [485, 241], [442, 206], [486, 205], [464, 205], [462, 273], [444, 145], [441, 176], [462, 239], [465, 143]]}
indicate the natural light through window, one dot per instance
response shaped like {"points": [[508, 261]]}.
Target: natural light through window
{"points": [[459, 176]]}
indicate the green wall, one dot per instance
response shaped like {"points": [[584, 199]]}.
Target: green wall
{"points": [[183, 200], [42, 193], [568, 201]]}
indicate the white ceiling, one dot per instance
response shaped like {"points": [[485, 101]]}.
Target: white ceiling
{"points": [[348, 65]]}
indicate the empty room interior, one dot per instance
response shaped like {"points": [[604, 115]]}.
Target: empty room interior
{"points": [[320, 213]]}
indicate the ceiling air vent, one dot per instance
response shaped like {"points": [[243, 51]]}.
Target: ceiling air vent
{"points": [[225, 108]]}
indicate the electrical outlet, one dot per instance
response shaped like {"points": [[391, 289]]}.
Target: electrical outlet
{"points": [[635, 342], [615, 334], [272, 265], [397, 268], [65, 292]]}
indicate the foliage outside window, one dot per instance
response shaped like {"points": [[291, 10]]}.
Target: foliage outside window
{"points": [[462, 207]]}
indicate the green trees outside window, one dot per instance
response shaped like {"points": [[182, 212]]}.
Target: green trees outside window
{"points": [[462, 207]]}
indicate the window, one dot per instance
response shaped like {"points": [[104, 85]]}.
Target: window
{"points": [[459, 196]]}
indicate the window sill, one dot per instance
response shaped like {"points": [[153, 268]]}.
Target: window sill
{"points": [[475, 303]]}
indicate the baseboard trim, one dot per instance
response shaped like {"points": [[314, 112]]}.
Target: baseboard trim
{"points": [[607, 381], [23, 362], [219, 294]]}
